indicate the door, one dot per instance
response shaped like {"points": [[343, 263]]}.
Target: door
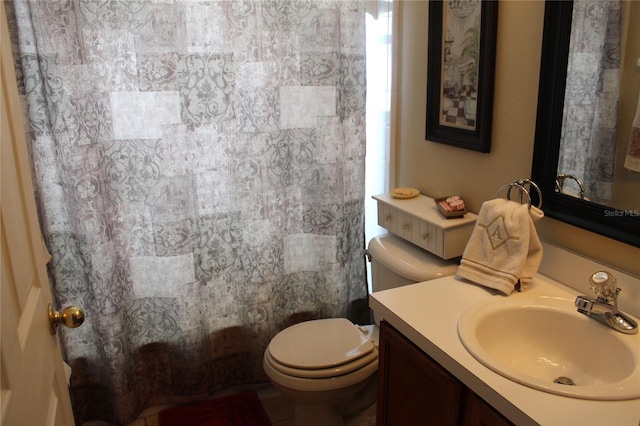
{"points": [[33, 385]]}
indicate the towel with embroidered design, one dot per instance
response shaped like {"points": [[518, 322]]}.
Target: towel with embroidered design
{"points": [[504, 248]]}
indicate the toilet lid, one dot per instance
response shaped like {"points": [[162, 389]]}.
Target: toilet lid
{"points": [[319, 344], [323, 373]]}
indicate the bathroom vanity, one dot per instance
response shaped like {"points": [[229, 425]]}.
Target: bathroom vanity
{"points": [[426, 372], [414, 386]]}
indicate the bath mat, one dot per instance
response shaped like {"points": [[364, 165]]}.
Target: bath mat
{"points": [[242, 409]]}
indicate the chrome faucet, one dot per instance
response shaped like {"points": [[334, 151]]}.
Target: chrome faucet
{"points": [[605, 307]]}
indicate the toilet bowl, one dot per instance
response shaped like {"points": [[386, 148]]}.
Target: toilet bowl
{"points": [[328, 367]]}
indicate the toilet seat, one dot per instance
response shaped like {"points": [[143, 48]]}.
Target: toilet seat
{"points": [[288, 383], [322, 373], [320, 349]]}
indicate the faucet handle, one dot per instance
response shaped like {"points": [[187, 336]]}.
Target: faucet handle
{"points": [[604, 286]]}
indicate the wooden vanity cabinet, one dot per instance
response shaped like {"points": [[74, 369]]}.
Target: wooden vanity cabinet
{"points": [[478, 413], [413, 389]]}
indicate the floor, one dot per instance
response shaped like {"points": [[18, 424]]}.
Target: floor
{"points": [[278, 408]]}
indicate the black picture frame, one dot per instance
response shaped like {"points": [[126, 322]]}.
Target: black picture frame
{"points": [[460, 86]]}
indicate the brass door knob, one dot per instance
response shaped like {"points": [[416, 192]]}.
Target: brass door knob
{"points": [[71, 317]]}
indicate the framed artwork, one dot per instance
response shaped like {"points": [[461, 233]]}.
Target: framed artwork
{"points": [[460, 72]]}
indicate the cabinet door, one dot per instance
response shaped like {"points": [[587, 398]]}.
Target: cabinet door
{"points": [[478, 413], [412, 388], [428, 235], [387, 217], [404, 225]]}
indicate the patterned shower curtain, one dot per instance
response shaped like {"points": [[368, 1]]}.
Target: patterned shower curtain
{"points": [[199, 170], [588, 144]]}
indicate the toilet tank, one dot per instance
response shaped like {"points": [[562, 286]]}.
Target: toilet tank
{"points": [[396, 262]]}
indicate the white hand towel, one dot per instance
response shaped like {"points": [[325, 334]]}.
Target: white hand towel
{"points": [[504, 247], [632, 160]]}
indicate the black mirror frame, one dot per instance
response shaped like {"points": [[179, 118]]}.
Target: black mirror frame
{"points": [[620, 225]]}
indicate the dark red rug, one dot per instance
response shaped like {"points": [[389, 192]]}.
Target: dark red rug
{"points": [[242, 409]]}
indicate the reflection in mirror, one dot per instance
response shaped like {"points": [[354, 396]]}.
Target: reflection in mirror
{"points": [[586, 191], [587, 156]]}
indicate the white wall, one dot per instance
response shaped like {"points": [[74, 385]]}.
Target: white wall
{"points": [[438, 169]]}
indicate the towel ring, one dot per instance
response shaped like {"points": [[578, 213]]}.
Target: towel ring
{"points": [[512, 185], [560, 183], [523, 182], [520, 184]]}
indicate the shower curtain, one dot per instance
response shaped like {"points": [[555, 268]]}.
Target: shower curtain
{"points": [[588, 140], [199, 172]]}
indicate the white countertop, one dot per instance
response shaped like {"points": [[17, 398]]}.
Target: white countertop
{"points": [[427, 313]]}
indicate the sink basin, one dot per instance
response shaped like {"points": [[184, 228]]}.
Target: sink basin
{"points": [[544, 343]]}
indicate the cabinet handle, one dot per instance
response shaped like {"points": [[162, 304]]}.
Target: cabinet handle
{"points": [[406, 226], [425, 235]]}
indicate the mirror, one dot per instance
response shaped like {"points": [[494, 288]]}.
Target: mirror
{"points": [[622, 225]]}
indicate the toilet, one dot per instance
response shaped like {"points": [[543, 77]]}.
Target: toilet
{"points": [[328, 367]]}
